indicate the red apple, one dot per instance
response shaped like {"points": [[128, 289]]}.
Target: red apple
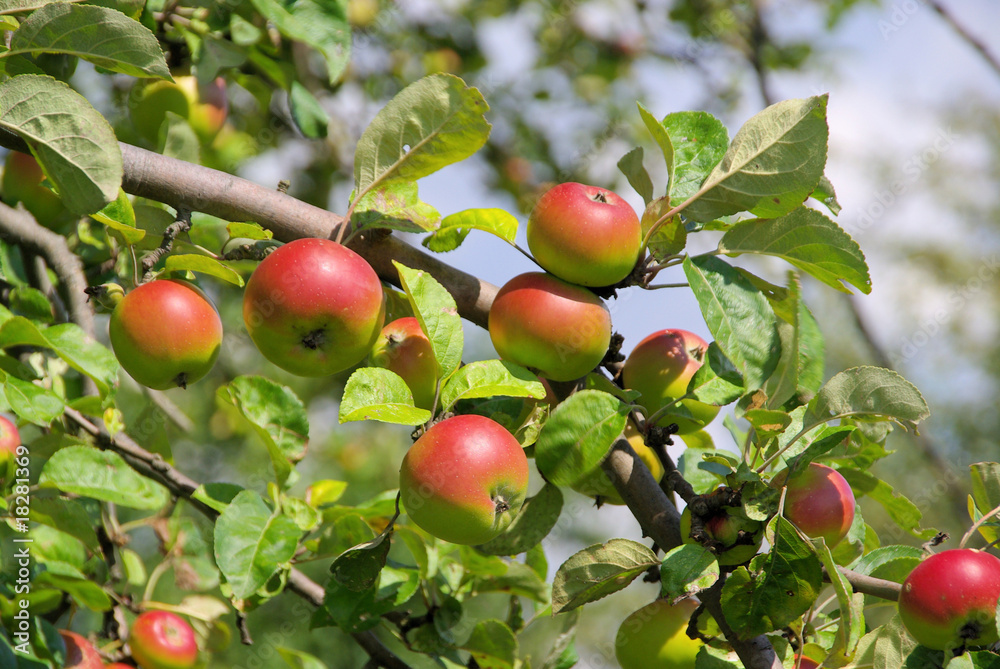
{"points": [[949, 600], [403, 348], [584, 234], [166, 333], [314, 307], [118, 665], [22, 182], [163, 640], [660, 368], [655, 637], [544, 323], [802, 662], [80, 653], [10, 439], [464, 479], [819, 501]]}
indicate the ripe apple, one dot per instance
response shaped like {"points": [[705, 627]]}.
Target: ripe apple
{"points": [[22, 182], [660, 368], [10, 439], [584, 234], [464, 479], [949, 600], [597, 484], [819, 501], [403, 348], [547, 324], [166, 333], [314, 307], [80, 653], [655, 637], [205, 106], [118, 665], [163, 640], [802, 662], [729, 527]]}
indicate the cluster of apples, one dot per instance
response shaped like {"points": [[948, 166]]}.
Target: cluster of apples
{"points": [[158, 640]]}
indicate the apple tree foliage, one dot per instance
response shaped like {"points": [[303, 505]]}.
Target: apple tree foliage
{"points": [[406, 598]]}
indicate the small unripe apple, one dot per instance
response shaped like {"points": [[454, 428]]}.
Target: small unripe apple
{"points": [[584, 234], [597, 483], [166, 333], [403, 347], [949, 600], [314, 307], [205, 106], [660, 368], [163, 640], [738, 537], [655, 637], [464, 479], [819, 501], [80, 653], [22, 182], [10, 439], [544, 323]]}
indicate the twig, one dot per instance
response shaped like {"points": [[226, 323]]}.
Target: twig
{"points": [[971, 39], [182, 224]]}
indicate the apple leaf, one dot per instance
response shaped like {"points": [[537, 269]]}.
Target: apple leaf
{"points": [[512, 578], [73, 143], [699, 140], [252, 542], [276, 414], [893, 563], [193, 262], [717, 381], [65, 515], [800, 372], [533, 523], [433, 122], [901, 510], [358, 567], [578, 435], [73, 582], [738, 316], [296, 659], [662, 139], [807, 239], [492, 645], [33, 403], [869, 394], [217, 495], [307, 112], [102, 475], [985, 494], [703, 475], [105, 37], [488, 378], [437, 312], [373, 393], [456, 227], [598, 571], [396, 206], [686, 570], [851, 624], [249, 230], [824, 193], [120, 217], [670, 238], [546, 638], [321, 25], [631, 166], [772, 165]]}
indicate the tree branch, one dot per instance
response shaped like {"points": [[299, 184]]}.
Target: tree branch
{"points": [[969, 38]]}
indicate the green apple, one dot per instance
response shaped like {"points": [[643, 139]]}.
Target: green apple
{"points": [[655, 637]]}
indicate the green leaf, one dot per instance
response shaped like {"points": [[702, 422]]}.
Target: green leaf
{"points": [[487, 378], [670, 238], [373, 393], [514, 578], [103, 475], [578, 435], [321, 25], [433, 122], [216, 495], [985, 486], [296, 659], [533, 523], [738, 316], [807, 239], [631, 166], [893, 563], [192, 262], [73, 143], [824, 193], [901, 510], [120, 217], [703, 475], [492, 645], [435, 308], [249, 230], [75, 584], [547, 639], [65, 515], [455, 227], [717, 381], [851, 625], [782, 588], [687, 570], [395, 205], [30, 303], [307, 112], [662, 139], [890, 647], [252, 542], [774, 162], [800, 371], [869, 394], [276, 414], [358, 567], [699, 140], [105, 37], [33, 403], [598, 571]]}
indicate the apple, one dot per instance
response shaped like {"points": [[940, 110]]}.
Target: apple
{"points": [[660, 368], [118, 665], [205, 106], [544, 323], [22, 182], [10, 439], [819, 501], [949, 600], [464, 479], [166, 333], [403, 347], [802, 662], [584, 234], [597, 484], [163, 640], [80, 653], [655, 637], [729, 529], [314, 307]]}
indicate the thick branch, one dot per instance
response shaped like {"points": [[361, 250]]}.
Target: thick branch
{"points": [[869, 585]]}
